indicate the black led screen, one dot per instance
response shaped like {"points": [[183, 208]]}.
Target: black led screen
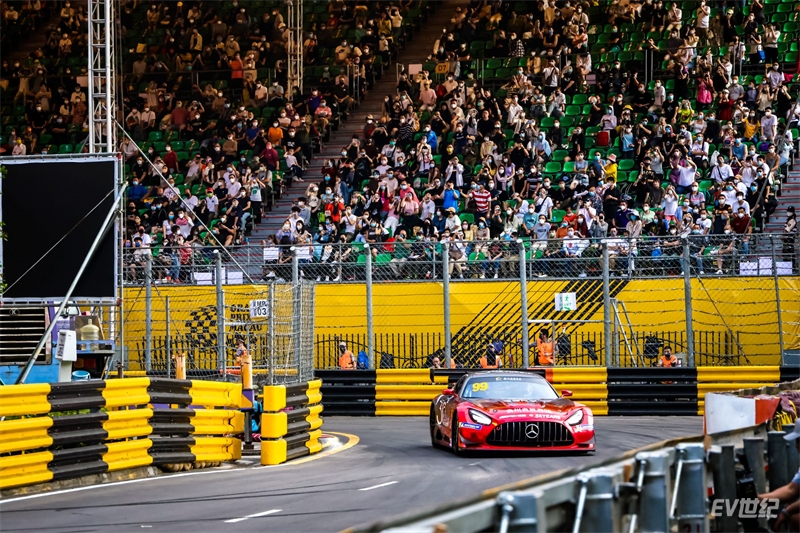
{"points": [[47, 201]]}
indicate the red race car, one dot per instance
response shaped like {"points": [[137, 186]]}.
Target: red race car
{"points": [[509, 410]]}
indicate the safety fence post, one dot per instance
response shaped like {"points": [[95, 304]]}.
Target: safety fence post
{"points": [[168, 341], [148, 311], [370, 317], [723, 465], [792, 455], [777, 297], [271, 335], [689, 496], [448, 342], [221, 362], [523, 295], [296, 276], [653, 512], [776, 452], [607, 335], [687, 299]]}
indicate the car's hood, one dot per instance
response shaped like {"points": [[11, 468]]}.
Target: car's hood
{"points": [[560, 406]]}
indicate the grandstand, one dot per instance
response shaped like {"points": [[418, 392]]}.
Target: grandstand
{"points": [[604, 119]]}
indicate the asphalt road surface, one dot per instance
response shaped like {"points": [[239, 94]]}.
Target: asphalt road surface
{"points": [[391, 470]]}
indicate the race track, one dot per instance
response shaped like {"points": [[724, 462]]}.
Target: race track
{"points": [[391, 470]]}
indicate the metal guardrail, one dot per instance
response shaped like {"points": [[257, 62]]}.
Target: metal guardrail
{"points": [[654, 488], [393, 261], [67, 430]]}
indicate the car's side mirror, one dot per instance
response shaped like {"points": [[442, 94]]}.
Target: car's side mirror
{"points": [[449, 392], [566, 393]]}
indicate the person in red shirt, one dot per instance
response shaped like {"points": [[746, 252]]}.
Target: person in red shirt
{"points": [[179, 117], [171, 159], [483, 200], [237, 72], [270, 157], [740, 224]]}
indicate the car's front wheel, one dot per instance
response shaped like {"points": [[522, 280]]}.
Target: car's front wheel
{"points": [[454, 437]]}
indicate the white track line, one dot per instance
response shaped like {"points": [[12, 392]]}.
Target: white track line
{"points": [[379, 486], [242, 519]]}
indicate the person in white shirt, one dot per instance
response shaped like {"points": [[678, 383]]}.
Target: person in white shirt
{"points": [[769, 125], [687, 170], [775, 76], [722, 171], [190, 201], [455, 171], [701, 23], [740, 202], [659, 96], [452, 222], [704, 223], [514, 110], [212, 202], [428, 207], [699, 151], [729, 193], [193, 169], [747, 173], [19, 148]]}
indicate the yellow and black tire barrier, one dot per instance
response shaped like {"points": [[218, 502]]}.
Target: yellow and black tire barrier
{"points": [[122, 423], [290, 423], [643, 391]]}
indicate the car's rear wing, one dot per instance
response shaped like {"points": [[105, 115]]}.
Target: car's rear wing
{"points": [[451, 376]]}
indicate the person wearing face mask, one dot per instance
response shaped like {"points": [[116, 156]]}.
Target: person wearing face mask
{"points": [[751, 126], [742, 227], [768, 126]]}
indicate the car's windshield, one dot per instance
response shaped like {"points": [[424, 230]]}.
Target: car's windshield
{"points": [[509, 387]]}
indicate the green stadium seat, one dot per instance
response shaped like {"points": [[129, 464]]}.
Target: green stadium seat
{"points": [[626, 164], [552, 167]]}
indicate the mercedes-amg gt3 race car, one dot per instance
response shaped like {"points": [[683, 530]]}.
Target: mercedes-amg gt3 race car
{"points": [[509, 410]]}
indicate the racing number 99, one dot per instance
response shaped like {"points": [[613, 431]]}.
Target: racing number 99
{"points": [[479, 386]]}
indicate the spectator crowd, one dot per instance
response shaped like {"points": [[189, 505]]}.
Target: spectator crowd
{"points": [[558, 123]]}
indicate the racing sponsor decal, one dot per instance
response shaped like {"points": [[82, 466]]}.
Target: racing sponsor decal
{"points": [[543, 416], [583, 427], [470, 426]]}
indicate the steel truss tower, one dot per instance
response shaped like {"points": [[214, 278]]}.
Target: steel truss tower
{"points": [[102, 104], [294, 48]]}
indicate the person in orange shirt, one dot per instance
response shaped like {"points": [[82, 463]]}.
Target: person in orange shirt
{"points": [[493, 357], [436, 362], [544, 348], [668, 359], [346, 360]]}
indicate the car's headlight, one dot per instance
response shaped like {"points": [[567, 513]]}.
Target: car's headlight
{"points": [[576, 418], [479, 417]]}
